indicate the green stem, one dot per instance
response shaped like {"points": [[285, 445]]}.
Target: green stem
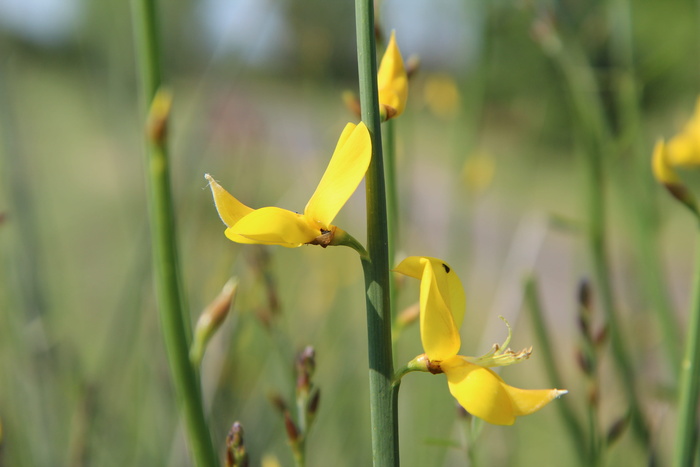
{"points": [[389, 140], [165, 259], [383, 397], [641, 204], [686, 434], [596, 146], [547, 353], [298, 453], [601, 270]]}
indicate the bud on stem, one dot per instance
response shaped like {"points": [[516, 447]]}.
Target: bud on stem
{"points": [[210, 320]]}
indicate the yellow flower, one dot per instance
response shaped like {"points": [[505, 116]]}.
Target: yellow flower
{"points": [[684, 149], [476, 387], [663, 172], [392, 81], [276, 226]]}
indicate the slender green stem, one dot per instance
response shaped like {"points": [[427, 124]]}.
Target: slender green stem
{"points": [[389, 140], [641, 204], [298, 454], [596, 143], [547, 353], [686, 434], [383, 397], [601, 270], [165, 259]]}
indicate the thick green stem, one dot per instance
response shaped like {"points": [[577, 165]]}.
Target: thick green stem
{"points": [[547, 353], [686, 434], [383, 403], [165, 259]]}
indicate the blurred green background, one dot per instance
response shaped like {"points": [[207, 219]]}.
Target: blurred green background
{"points": [[488, 180]]}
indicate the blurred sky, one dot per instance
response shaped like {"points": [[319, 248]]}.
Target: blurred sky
{"points": [[446, 34], [44, 22]]}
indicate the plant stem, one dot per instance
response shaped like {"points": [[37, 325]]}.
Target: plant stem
{"points": [[641, 184], [389, 140], [686, 434], [596, 143], [164, 244], [383, 400], [576, 434]]}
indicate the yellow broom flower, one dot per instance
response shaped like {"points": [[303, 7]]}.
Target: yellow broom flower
{"points": [[392, 81], [475, 386], [277, 226], [683, 150]]}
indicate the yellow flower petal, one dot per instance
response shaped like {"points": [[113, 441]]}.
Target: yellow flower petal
{"points": [[274, 226], [230, 209], [447, 280], [392, 80], [438, 332], [527, 401], [663, 172], [479, 390], [684, 148], [484, 394], [344, 173]]}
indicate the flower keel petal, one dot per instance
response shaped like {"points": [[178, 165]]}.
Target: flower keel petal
{"points": [[274, 226], [479, 390], [484, 394]]}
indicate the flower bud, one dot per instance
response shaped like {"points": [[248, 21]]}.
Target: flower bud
{"points": [[277, 402], [305, 366], [408, 315], [211, 318], [616, 430], [352, 102], [236, 455], [292, 430], [158, 116]]}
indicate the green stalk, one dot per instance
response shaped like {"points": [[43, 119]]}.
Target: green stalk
{"points": [[383, 396], [547, 353], [642, 185], [389, 140], [601, 270], [165, 258], [689, 388], [596, 143]]}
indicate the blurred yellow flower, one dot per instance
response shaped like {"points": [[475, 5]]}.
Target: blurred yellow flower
{"points": [[476, 387], [666, 175], [478, 172], [276, 226], [442, 95], [684, 149], [392, 81], [663, 172]]}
